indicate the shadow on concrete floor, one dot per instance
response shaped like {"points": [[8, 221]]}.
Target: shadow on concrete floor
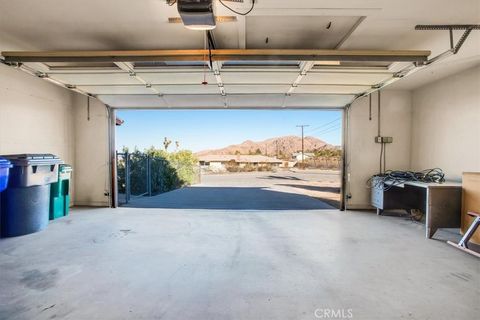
{"points": [[229, 198], [281, 178]]}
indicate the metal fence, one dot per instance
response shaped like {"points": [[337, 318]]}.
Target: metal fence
{"points": [[142, 175]]}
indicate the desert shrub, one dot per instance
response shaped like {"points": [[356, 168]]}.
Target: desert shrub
{"points": [[301, 165], [185, 165], [248, 168], [267, 167], [169, 171], [232, 166]]}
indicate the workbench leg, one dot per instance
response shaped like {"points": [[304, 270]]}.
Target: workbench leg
{"points": [[430, 232], [379, 212]]}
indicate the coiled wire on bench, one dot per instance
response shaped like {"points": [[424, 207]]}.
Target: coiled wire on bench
{"points": [[393, 178]]}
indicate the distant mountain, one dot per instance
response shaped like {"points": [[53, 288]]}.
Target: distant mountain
{"points": [[281, 146]]}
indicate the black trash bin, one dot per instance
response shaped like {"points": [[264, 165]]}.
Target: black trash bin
{"points": [[26, 201]]}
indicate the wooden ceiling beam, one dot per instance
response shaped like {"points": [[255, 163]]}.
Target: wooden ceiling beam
{"points": [[217, 55]]}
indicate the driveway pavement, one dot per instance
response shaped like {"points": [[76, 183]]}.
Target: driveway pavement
{"points": [[285, 190]]}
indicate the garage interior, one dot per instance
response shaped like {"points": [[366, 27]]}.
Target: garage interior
{"points": [[406, 76]]}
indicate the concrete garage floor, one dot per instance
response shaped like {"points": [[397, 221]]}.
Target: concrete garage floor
{"points": [[234, 264]]}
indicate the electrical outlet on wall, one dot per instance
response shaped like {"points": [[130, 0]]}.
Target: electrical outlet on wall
{"points": [[380, 139]]}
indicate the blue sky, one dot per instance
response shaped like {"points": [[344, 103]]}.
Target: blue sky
{"points": [[198, 130]]}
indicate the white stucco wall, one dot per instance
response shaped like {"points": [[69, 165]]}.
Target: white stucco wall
{"points": [[39, 117], [35, 116], [92, 180], [363, 154], [436, 125], [446, 124]]}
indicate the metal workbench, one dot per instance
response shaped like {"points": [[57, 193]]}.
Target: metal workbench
{"points": [[440, 202]]}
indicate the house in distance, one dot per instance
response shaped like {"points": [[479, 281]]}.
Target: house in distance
{"points": [[238, 163]]}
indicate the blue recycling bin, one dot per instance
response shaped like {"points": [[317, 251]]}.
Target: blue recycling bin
{"points": [[25, 204], [5, 166]]}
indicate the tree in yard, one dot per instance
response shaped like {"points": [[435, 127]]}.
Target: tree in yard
{"points": [[258, 151], [328, 155], [166, 143], [177, 145]]}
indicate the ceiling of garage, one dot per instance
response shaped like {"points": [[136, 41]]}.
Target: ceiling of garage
{"points": [[274, 24]]}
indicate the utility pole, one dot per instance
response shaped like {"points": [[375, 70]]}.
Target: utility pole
{"points": [[303, 146]]}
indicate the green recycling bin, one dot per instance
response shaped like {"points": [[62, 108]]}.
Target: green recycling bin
{"points": [[60, 193]]}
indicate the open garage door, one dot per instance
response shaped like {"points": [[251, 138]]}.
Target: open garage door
{"points": [[230, 159], [222, 78]]}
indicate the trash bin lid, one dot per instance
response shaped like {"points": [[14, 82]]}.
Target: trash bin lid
{"points": [[65, 168], [4, 163], [24, 160]]}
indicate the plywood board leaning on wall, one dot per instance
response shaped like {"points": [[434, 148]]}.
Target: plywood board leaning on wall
{"points": [[471, 201]]}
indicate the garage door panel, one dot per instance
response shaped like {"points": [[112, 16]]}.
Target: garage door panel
{"points": [[345, 78], [233, 101], [133, 101], [176, 77], [258, 77], [246, 89], [317, 101], [254, 101], [331, 89], [188, 89], [117, 89], [194, 101], [87, 79]]}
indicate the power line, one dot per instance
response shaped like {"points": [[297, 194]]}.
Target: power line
{"points": [[324, 125], [330, 130], [336, 126], [333, 125]]}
